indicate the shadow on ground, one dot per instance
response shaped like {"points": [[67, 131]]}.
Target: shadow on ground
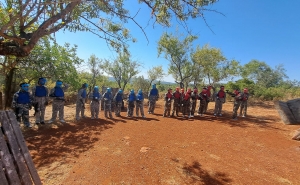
{"points": [[56, 140], [195, 174]]}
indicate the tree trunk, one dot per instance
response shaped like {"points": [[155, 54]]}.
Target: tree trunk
{"points": [[9, 88], [1, 102]]}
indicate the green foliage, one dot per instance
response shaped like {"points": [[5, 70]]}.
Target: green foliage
{"points": [[155, 73], [122, 69], [214, 65], [177, 52], [140, 83], [23, 23], [262, 74], [51, 61]]}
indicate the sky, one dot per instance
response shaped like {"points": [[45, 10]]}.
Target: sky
{"points": [[265, 30]]}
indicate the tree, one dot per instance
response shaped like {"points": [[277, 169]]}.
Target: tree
{"points": [[24, 22], [140, 83], [122, 69], [46, 60], [156, 73], [94, 64], [262, 74], [177, 53], [214, 64]]}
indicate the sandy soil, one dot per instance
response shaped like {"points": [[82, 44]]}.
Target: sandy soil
{"points": [[158, 150]]}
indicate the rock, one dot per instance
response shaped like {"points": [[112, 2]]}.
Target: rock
{"points": [[144, 149]]}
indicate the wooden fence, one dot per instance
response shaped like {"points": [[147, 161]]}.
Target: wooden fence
{"points": [[15, 160]]}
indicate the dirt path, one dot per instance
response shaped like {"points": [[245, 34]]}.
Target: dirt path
{"points": [[157, 150]]}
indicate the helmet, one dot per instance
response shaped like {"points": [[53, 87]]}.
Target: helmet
{"points": [[85, 85], [58, 83], [96, 88], [24, 86], [108, 90], [177, 89], [42, 81], [140, 91]]}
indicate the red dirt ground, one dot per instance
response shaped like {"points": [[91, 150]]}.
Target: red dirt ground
{"points": [[158, 150]]}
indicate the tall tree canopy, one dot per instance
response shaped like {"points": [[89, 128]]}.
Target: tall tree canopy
{"points": [[24, 22], [262, 74], [122, 69], [214, 64], [177, 52]]}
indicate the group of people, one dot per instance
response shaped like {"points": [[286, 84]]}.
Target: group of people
{"points": [[186, 102], [23, 101], [179, 101]]}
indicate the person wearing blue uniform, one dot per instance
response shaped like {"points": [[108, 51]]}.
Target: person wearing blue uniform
{"points": [[153, 97], [108, 97], [118, 100], [22, 103], [95, 98], [131, 101], [58, 96], [80, 102], [140, 103], [40, 95]]}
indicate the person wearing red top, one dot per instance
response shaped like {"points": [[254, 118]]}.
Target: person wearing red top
{"points": [[186, 104], [168, 100], [176, 102], [244, 104], [208, 94], [203, 98], [220, 99], [194, 97]]}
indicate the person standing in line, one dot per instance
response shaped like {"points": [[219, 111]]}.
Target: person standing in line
{"points": [[208, 99], [40, 94], [118, 99], [176, 102], [140, 103], [22, 103], [237, 102], [168, 102], [108, 97], [203, 98], [220, 99], [95, 98], [80, 103], [153, 97], [131, 101], [194, 97], [244, 103], [186, 104], [58, 96]]}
